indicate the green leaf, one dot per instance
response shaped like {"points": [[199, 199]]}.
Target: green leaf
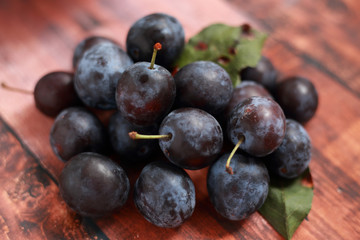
{"points": [[288, 203], [233, 48]]}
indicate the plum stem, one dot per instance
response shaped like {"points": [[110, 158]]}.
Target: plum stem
{"points": [[228, 168], [157, 47], [135, 135], [15, 89]]}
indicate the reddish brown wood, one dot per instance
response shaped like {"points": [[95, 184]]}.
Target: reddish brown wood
{"points": [[324, 34], [316, 39], [31, 207]]}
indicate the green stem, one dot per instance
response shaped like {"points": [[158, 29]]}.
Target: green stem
{"points": [[228, 168], [135, 135], [157, 47]]}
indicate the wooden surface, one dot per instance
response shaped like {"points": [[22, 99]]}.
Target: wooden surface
{"points": [[316, 39]]}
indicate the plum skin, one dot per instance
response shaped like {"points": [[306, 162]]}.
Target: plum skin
{"points": [[77, 130], [293, 156], [236, 196], [261, 122], [164, 194], [93, 185], [196, 138], [98, 72], [143, 95], [153, 28]]}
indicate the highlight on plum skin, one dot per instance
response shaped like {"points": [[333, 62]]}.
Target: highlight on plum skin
{"points": [[236, 196], [196, 138], [243, 91], [98, 72], [86, 44], [261, 122], [190, 138], [164, 194], [145, 92]]}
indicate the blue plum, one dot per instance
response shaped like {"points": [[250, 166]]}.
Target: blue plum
{"points": [[263, 73], [153, 28], [243, 91], [293, 156], [204, 85], [145, 95], [54, 92], [164, 194], [93, 185], [86, 44], [77, 130], [98, 72], [260, 121], [129, 150], [236, 196], [195, 140], [298, 98]]}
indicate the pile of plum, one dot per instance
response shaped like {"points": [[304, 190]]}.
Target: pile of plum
{"points": [[192, 114]]}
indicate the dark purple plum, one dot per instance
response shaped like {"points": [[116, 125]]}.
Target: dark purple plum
{"points": [[164, 194], [204, 85], [264, 73], [243, 91], [236, 196], [85, 45], [77, 130], [260, 121], [130, 151], [298, 98], [195, 140], [144, 95], [54, 92], [93, 185], [153, 28], [293, 156], [98, 73]]}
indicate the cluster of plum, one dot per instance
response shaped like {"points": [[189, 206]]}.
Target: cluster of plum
{"points": [[191, 112]]}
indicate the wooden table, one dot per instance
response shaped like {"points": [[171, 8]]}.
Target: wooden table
{"points": [[316, 39]]}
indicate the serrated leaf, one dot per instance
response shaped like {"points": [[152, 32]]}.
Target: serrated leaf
{"points": [[288, 203], [231, 47]]}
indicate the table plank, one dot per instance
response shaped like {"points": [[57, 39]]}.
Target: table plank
{"points": [[31, 206], [324, 33]]}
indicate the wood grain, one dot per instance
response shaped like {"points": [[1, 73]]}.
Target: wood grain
{"points": [[31, 207], [325, 34], [318, 40]]}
